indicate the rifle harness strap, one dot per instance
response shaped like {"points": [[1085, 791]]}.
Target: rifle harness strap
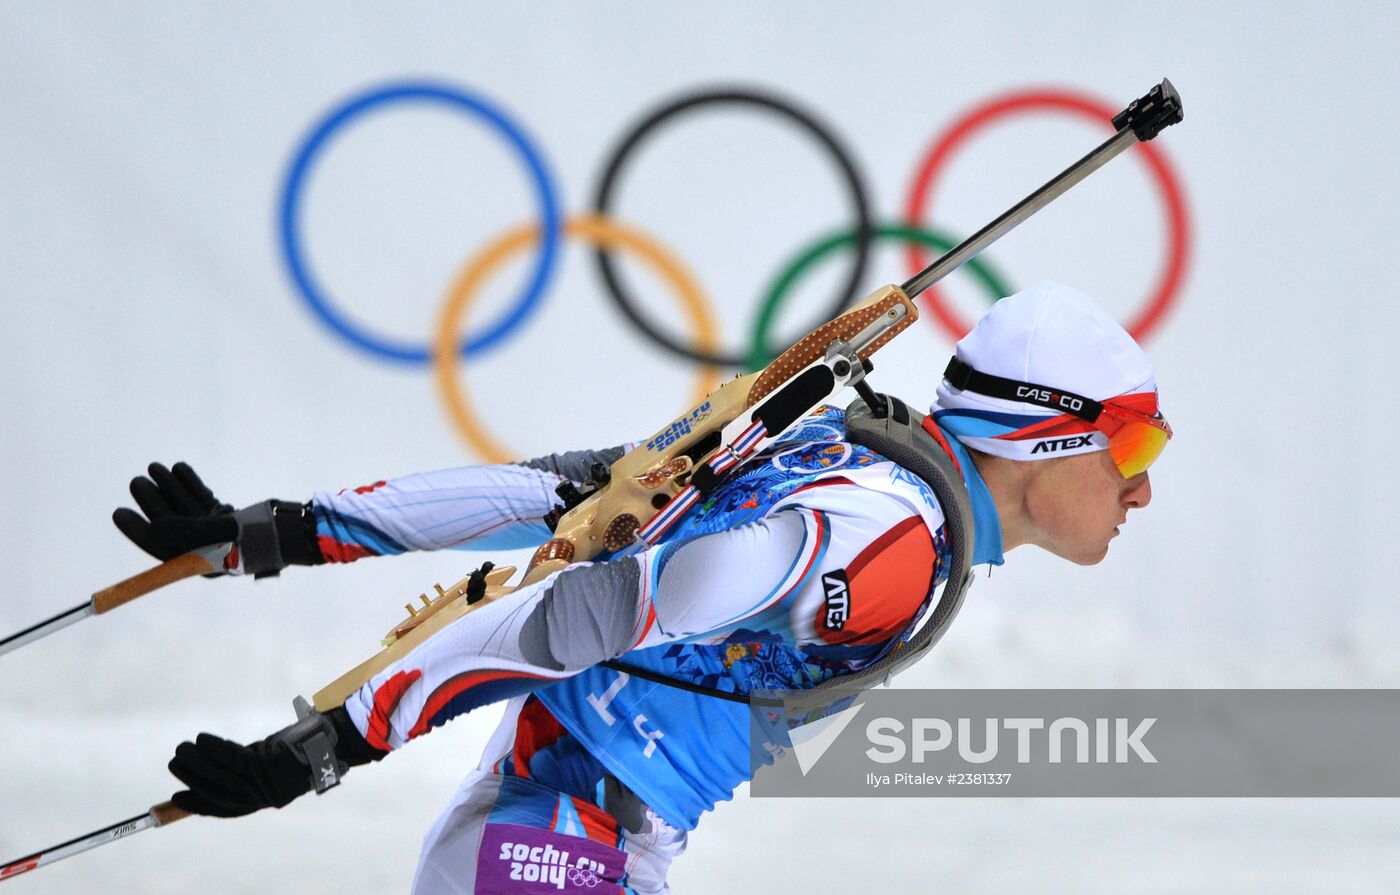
{"points": [[903, 436]]}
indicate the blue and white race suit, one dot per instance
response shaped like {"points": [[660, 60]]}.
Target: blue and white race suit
{"points": [[811, 561]]}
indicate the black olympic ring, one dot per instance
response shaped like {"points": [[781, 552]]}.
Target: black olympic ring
{"points": [[864, 228]]}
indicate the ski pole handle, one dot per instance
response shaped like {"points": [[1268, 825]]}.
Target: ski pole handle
{"points": [[199, 562], [167, 813]]}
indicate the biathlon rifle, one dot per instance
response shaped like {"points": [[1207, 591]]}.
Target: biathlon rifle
{"points": [[660, 479]]}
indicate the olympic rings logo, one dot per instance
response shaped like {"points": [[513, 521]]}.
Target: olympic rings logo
{"points": [[581, 877], [608, 235]]}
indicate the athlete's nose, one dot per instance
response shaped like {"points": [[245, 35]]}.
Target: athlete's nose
{"points": [[1139, 492]]}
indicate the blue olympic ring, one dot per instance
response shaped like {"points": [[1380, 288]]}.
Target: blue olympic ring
{"points": [[315, 296]]}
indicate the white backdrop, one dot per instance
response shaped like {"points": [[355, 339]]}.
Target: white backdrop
{"points": [[149, 315]]}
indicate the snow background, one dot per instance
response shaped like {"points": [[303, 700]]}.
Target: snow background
{"points": [[147, 315]]}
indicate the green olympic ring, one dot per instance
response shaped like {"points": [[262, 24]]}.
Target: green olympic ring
{"points": [[759, 353]]}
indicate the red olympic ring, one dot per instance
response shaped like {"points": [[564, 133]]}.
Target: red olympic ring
{"points": [[979, 117]]}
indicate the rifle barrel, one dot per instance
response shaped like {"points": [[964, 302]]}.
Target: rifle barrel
{"points": [[959, 254]]}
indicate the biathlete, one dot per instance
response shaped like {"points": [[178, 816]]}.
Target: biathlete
{"points": [[596, 776]]}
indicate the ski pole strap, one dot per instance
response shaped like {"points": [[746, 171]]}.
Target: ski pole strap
{"points": [[312, 740], [257, 539]]}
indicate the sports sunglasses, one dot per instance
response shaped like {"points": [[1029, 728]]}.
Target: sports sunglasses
{"points": [[1135, 438]]}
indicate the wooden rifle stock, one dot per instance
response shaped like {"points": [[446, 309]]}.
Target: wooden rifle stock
{"points": [[648, 476], [640, 482]]}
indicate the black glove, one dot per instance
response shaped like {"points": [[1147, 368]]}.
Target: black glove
{"points": [[229, 780], [182, 514]]}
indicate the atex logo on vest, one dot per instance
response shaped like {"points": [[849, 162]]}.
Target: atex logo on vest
{"points": [[837, 588]]}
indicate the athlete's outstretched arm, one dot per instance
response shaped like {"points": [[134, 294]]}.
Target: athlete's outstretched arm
{"points": [[765, 573], [704, 588], [480, 507], [486, 507]]}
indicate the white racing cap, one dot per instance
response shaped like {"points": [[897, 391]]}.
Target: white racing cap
{"points": [[1049, 335]]}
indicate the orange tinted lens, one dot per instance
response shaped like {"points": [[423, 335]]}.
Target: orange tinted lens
{"points": [[1135, 446]]}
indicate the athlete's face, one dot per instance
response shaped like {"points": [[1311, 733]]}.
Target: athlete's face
{"points": [[1076, 504]]}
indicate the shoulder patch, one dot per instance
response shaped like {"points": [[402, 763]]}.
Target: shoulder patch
{"points": [[837, 592], [877, 594]]}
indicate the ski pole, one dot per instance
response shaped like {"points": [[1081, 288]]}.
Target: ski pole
{"points": [[158, 816], [198, 562]]}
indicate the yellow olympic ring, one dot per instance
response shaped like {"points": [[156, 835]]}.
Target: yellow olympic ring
{"points": [[592, 228]]}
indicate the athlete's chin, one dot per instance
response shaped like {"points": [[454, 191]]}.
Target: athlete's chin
{"points": [[1090, 556]]}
